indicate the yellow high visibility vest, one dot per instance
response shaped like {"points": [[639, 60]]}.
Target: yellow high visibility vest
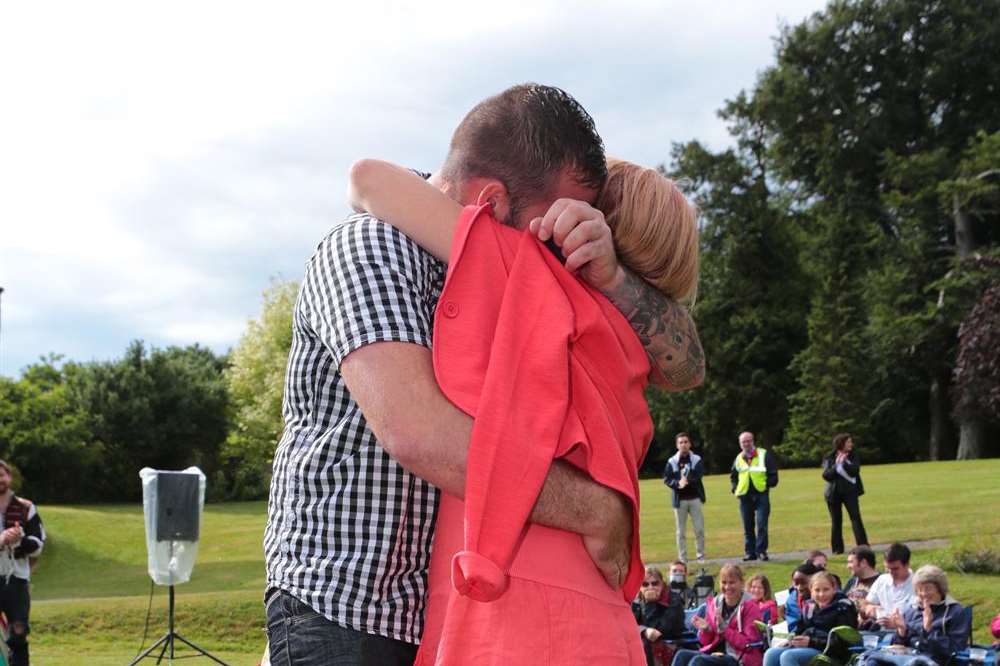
{"points": [[755, 472]]}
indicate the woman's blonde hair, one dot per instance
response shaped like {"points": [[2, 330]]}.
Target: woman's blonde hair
{"points": [[823, 574], [733, 569], [654, 227]]}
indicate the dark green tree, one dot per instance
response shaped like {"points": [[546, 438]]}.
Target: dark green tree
{"points": [[752, 297], [870, 98]]}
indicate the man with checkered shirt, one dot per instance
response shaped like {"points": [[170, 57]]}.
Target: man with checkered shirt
{"points": [[368, 431]]}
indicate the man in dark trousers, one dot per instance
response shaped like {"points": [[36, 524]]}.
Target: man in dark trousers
{"points": [[753, 474], [22, 537]]}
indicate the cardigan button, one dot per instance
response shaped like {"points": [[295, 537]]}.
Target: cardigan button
{"points": [[450, 309]]}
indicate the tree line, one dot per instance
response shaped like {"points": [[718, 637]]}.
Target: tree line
{"points": [[850, 281]]}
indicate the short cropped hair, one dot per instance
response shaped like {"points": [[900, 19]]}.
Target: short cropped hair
{"points": [[863, 553], [3, 463], [897, 552], [682, 434], [931, 575], [807, 569], [526, 137]]}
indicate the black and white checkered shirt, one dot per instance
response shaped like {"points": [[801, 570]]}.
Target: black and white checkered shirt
{"points": [[349, 531]]}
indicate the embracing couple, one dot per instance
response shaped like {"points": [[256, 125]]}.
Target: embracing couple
{"points": [[550, 279]]}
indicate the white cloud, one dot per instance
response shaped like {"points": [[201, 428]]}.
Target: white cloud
{"points": [[162, 161]]}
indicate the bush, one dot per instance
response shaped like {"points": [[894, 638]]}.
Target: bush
{"points": [[975, 556]]}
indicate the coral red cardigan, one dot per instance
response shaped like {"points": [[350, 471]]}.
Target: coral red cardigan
{"points": [[549, 369]]}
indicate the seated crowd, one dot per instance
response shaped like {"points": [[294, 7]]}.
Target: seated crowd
{"points": [[911, 615]]}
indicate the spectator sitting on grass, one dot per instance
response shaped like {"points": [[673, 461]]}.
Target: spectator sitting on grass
{"points": [[827, 609], [759, 589], [892, 590], [660, 614], [861, 564], [678, 583], [798, 593], [819, 560], [936, 626]]}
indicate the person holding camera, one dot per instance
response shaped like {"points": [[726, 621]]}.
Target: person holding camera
{"points": [[683, 474]]}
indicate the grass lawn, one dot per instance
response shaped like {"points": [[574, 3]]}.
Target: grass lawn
{"points": [[90, 591]]}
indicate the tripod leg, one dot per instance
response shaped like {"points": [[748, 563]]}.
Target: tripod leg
{"points": [[201, 650], [148, 651], [167, 640]]}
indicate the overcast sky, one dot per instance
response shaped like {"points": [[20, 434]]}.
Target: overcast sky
{"points": [[161, 162]]}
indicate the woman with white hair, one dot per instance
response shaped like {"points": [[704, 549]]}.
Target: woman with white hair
{"points": [[930, 631]]}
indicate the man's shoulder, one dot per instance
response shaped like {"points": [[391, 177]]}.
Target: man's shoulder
{"points": [[362, 234]]}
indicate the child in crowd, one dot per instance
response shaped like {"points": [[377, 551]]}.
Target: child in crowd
{"points": [[660, 614], [759, 588], [798, 593], [826, 609], [727, 633]]}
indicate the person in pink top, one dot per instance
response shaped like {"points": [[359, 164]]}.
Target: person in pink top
{"points": [[727, 633], [553, 596], [759, 588]]}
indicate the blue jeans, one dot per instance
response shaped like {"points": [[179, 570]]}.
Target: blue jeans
{"points": [[299, 636], [789, 656], [755, 508], [695, 658]]}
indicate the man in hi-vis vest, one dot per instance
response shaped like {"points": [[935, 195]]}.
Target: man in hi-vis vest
{"points": [[754, 472]]}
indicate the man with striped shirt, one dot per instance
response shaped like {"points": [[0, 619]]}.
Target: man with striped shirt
{"points": [[367, 431]]}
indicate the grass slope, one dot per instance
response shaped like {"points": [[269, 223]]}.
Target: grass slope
{"points": [[91, 589]]}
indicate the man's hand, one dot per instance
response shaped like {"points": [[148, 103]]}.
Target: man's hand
{"points": [[11, 536], [683, 483], [652, 635], [612, 553], [584, 237]]}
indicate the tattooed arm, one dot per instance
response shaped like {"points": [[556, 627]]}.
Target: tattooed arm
{"points": [[665, 328]]}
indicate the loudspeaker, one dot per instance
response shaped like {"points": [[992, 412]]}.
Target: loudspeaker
{"points": [[177, 516]]}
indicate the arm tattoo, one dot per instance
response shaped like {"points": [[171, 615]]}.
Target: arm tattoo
{"points": [[665, 329]]}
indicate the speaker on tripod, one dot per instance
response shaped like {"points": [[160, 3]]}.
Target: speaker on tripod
{"points": [[171, 504]]}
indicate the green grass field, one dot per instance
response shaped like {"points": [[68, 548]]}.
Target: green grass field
{"points": [[90, 591]]}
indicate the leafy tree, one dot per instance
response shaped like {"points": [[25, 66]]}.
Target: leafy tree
{"points": [[752, 298], [867, 111], [164, 409], [255, 380], [44, 435]]}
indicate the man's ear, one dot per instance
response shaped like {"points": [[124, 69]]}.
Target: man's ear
{"points": [[494, 193]]}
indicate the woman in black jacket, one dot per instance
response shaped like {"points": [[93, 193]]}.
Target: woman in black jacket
{"points": [[842, 471]]}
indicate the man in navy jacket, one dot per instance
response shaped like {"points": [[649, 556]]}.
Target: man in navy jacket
{"points": [[683, 474]]}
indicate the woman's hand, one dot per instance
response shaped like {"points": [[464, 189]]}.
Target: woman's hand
{"points": [[698, 622], [928, 616], [584, 237], [799, 641], [652, 635]]}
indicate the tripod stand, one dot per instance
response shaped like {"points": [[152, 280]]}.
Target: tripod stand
{"points": [[166, 642]]}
